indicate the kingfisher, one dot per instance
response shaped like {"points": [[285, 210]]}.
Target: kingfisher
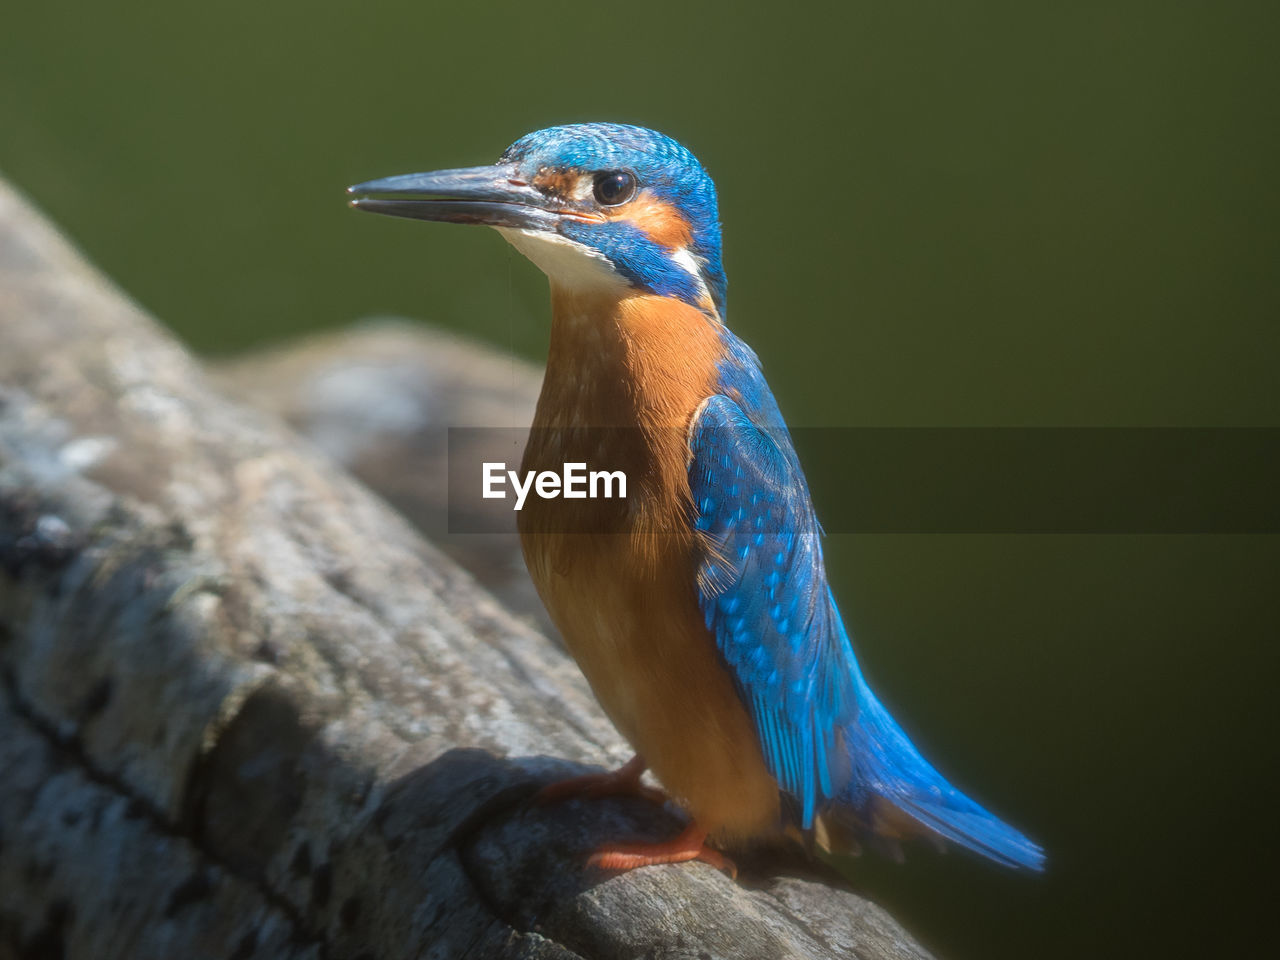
{"points": [[699, 607]]}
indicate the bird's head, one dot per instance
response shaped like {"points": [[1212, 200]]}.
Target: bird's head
{"points": [[592, 204]]}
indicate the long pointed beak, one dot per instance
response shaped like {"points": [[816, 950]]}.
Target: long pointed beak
{"points": [[494, 196]]}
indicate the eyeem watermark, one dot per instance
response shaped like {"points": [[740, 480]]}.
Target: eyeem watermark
{"points": [[574, 482], [917, 480]]}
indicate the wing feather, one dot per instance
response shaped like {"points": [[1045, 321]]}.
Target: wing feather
{"points": [[763, 590]]}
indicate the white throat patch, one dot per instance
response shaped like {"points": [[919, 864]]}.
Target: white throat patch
{"points": [[566, 262], [576, 266]]}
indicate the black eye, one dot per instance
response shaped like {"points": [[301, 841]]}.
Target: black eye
{"points": [[615, 187]]}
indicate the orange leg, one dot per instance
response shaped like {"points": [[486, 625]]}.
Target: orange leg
{"points": [[689, 845], [625, 781]]}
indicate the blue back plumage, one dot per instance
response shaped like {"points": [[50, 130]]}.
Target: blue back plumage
{"points": [[764, 593]]}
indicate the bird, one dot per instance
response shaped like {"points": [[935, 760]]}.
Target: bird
{"points": [[698, 607]]}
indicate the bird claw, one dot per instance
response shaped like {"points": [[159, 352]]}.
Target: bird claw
{"points": [[689, 845]]}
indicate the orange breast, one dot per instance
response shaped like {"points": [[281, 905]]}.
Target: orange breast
{"points": [[624, 378]]}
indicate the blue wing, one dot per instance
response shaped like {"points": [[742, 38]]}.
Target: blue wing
{"points": [[762, 587], [763, 592]]}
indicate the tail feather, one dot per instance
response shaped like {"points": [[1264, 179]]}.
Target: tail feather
{"points": [[886, 767]]}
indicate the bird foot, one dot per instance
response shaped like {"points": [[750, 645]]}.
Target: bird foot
{"points": [[689, 845], [623, 782]]}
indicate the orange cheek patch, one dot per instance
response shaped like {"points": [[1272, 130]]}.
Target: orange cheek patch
{"points": [[557, 183], [658, 219]]}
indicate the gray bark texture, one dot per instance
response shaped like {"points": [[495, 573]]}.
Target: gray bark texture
{"points": [[380, 398], [247, 711]]}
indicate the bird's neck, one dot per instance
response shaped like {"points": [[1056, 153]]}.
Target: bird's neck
{"points": [[627, 359], [625, 375]]}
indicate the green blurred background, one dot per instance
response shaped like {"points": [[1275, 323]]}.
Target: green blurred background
{"points": [[935, 214]]}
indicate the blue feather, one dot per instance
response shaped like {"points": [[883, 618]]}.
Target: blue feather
{"points": [[644, 263], [763, 590]]}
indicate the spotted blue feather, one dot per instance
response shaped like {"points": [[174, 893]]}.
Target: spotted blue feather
{"points": [[762, 587]]}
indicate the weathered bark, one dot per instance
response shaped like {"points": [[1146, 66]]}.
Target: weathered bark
{"points": [[380, 398], [247, 712]]}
